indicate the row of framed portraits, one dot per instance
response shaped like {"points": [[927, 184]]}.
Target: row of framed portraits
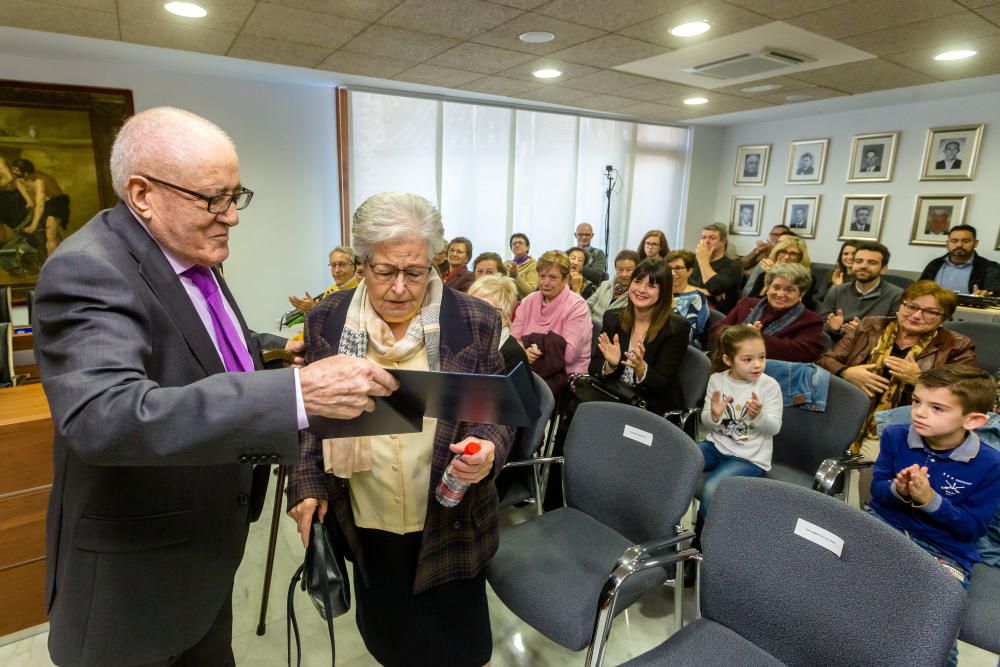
{"points": [[861, 216], [950, 154]]}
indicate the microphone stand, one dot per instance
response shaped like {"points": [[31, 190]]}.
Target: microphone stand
{"points": [[609, 175]]}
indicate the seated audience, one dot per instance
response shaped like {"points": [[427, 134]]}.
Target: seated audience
{"points": [[962, 269], [642, 345], [612, 293], [522, 268], [500, 292], [791, 331], [577, 280], [883, 356], [716, 274], [790, 249], [486, 264], [557, 311], [846, 304], [763, 248], [653, 244], [341, 264], [840, 273], [595, 269], [689, 303], [458, 276], [933, 480]]}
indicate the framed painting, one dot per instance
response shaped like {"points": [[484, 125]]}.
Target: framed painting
{"points": [[873, 157], [800, 214], [951, 153], [861, 217], [751, 164], [934, 215], [55, 147], [807, 162], [744, 218]]}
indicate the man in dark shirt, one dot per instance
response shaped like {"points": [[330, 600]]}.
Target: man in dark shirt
{"points": [[716, 274]]}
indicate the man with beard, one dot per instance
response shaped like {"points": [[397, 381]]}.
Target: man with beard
{"points": [[963, 270], [845, 305]]}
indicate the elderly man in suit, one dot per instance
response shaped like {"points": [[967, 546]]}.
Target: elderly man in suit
{"points": [[148, 367]]}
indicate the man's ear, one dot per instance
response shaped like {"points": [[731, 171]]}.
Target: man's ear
{"points": [[138, 193], [974, 420]]}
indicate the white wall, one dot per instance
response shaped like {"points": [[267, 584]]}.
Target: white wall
{"points": [[706, 155], [285, 134], [912, 121]]}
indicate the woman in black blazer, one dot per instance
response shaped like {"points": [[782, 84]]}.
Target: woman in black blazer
{"points": [[642, 344]]}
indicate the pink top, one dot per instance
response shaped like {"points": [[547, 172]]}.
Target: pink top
{"points": [[566, 315]]}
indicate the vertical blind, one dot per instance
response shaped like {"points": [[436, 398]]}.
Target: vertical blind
{"points": [[493, 171]]}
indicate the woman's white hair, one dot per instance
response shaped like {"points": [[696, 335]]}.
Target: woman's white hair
{"points": [[794, 273], [161, 139], [502, 289], [396, 216]]}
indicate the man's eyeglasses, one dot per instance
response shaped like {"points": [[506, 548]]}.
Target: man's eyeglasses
{"points": [[215, 203], [583, 235], [386, 273], [341, 265], [925, 313]]}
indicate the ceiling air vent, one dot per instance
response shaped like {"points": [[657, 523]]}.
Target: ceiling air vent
{"points": [[762, 61]]}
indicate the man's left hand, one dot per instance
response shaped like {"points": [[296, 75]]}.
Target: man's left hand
{"points": [[472, 468]]}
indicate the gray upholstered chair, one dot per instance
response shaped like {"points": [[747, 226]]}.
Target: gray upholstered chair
{"points": [[629, 478], [520, 483], [714, 317], [986, 336], [981, 624], [773, 594], [693, 375]]}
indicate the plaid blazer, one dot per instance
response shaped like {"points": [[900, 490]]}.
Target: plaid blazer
{"points": [[457, 542]]}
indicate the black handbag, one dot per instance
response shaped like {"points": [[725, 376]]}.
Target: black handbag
{"points": [[324, 576], [590, 388]]}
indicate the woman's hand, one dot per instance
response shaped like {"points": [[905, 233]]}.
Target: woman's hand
{"points": [[532, 352], [866, 379], [835, 321], [471, 468], [303, 515], [837, 278], [511, 269], [766, 264], [905, 369], [610, 350], [719, 403], [634, 358]]}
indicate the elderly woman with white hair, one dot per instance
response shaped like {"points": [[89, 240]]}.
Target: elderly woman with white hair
{"points": [[419, 574], [791, 331], [501, 292]]}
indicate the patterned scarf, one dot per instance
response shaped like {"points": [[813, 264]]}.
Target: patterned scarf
{"points": [[777, 325], [890, 397], [364, 327]]}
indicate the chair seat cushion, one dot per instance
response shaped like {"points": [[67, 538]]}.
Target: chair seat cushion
{"points": [[981, 624], [783, 473], [705, 642], [550, 571]]}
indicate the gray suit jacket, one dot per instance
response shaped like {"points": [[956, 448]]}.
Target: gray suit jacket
{"points": [[153, 485]]}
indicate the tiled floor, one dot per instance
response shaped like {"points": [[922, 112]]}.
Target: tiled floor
{"points": [[643, 626]]}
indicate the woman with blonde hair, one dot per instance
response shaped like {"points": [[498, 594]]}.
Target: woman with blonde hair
{"points": [[501, 292]]}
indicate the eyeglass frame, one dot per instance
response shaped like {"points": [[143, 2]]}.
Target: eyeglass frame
{"points": [[208, 199], [342, 265], [408, 278], [913, 310]]}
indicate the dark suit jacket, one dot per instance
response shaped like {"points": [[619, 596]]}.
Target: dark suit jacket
{"points": [[457, 542], [150, 502], [664, 353], [956, 164]]}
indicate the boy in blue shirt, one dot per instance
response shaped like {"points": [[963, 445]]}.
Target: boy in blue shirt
{"points": [[933, 480]]}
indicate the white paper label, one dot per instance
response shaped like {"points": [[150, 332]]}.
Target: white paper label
{"points": [[817, 535], [644, 437]]}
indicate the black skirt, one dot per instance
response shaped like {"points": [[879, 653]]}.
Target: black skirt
{"points": [[448, 624]]}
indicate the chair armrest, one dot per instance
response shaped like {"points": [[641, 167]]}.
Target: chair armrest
{"points": [[830, 471], [541, 460], [651, 549]]}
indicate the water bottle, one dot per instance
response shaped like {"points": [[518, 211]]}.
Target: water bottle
{"points": [[450, 489]]}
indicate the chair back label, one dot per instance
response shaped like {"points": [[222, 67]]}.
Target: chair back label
{"points": [[640, 436], [820, 536]]}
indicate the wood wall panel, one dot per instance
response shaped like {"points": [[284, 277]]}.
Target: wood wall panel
{"points": [[22, 527], [22, 590]]}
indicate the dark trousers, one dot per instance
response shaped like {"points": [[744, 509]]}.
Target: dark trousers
{"points": [[215, 649]]}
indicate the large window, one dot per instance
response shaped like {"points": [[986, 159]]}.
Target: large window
{"points": [[494, 171]]}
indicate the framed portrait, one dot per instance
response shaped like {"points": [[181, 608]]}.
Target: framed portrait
{"points": [[861, 217], [751, 164], [934, 216], [800, 215], [744, 218], [951, 153], [807, 161], [873, 157], [55, 147]]}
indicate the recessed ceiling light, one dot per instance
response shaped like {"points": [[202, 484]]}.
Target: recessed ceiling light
{"points": [[187, 9], [955, 55], [695, 101], [690, 29], [763, 88], [536, 36], [798, 98], [547, 73]]}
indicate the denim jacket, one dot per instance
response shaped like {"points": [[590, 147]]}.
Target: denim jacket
{"points": [[802, 385]]}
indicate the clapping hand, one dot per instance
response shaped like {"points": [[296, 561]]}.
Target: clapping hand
{"points": [[719, 403], [610, 350], [634, 359], [753, 405], [866, 379], [303, 304], [835, 321], [905, 369], [852, 325]]}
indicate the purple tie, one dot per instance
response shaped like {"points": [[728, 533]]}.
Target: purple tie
{"points": [[235, 356]]}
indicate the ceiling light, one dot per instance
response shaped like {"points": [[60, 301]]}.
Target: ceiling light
{"points": [[536, 36], [187, 9], [960, 54], [690, 29], [547, 73], [763, 88], [798, 98], [695, 101]]}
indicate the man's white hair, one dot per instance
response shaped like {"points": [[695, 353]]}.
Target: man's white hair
{"points": [[161, 139]]}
